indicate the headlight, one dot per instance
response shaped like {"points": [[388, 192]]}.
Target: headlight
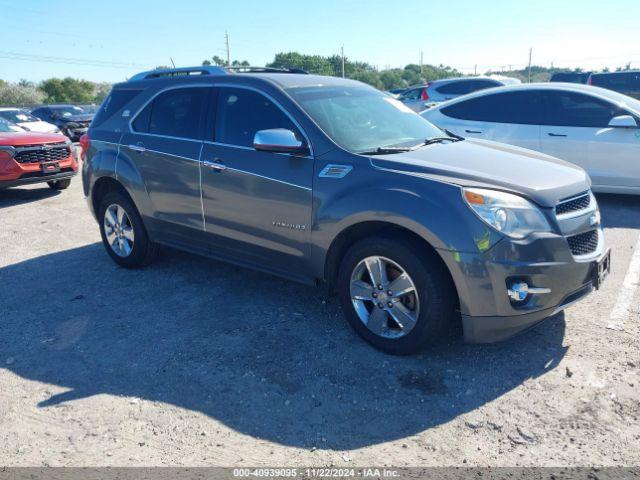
{"points": [[507, 213]]}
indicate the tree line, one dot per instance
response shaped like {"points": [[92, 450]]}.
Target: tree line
{"points": [[53, 90], [76, 91], [386, 79]]}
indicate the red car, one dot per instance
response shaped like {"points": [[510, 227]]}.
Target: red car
{"points": [[27, 158]]}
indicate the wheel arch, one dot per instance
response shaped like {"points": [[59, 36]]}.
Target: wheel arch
{"points": [[358, 231]]}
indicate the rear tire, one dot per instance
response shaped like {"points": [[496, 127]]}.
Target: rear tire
{"points": [[123, 234], [424, 313], [59, 184]]}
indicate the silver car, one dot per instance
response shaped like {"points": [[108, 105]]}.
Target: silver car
{"points": [[422, 97]]}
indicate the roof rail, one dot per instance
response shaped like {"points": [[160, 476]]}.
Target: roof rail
{"points": [[174, 72], [248, 69]]}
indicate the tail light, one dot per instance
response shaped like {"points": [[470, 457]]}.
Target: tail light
{"points": [[425, 95], [84, 145]]}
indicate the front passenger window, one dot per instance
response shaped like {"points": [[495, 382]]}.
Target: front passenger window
{"points": [[241, 113]]}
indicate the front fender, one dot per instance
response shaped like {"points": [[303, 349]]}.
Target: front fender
{"points": [[431, 209]]}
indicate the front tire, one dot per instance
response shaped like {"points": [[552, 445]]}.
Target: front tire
{"points": [[395, 293], [59, 184], [123, 234]]}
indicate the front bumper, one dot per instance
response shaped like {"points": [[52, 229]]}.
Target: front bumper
{"points": [[37, 179], [14, 174], [544, 261]]}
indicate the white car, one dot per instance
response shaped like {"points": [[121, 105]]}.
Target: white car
{"points": [[28, 122], [594, 128]]}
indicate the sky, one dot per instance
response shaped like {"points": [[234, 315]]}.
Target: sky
{"points": [[113, 39]]}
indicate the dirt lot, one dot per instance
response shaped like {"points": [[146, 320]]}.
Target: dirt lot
{"points": [[194, 362]]}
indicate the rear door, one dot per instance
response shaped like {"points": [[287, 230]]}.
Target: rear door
{"points": [[257, 205], [577, 130], [508, 117], [164, 144]]}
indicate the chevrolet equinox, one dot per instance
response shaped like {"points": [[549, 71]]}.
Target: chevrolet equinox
{"points": [[326, 180]]}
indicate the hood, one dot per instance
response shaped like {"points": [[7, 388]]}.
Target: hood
{"points": [[39, 126], [84, 117], [539, 177], [29, 138]]}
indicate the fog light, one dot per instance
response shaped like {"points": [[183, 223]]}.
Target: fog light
{"points": [[519, 291]]}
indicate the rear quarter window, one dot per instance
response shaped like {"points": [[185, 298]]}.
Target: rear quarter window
{"points": [[115, 101]]}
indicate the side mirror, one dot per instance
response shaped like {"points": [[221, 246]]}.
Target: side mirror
{"points": [[623, 121], [279, 140]]}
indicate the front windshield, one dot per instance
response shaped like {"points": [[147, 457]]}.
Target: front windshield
{"points": [[17, 116], [360, 118], [68, 111], [5, 126]]}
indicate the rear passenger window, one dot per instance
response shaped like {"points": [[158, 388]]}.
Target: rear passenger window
{"points": [[175, 113], [525, 108], [241, 113], [116, 100]]}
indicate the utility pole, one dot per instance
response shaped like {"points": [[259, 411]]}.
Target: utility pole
{"points": [[174, 65], [342, 55], [226, 40], [530, 51], [475, 69], [421, 61]]}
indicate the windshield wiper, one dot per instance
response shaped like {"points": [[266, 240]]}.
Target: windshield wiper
{"points": [[451, 134], [385, 150], [431, 140]]}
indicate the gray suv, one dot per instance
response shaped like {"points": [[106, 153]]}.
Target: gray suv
{"points": [[328, 181]]}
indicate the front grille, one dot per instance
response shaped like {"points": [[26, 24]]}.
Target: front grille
{"points": [[583, 243], [37, 154], [575, 204]]}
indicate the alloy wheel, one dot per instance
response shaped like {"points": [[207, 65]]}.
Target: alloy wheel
{"points": [[118, 230], [385, 297]]}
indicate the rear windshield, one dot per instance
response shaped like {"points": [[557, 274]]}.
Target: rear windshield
{"points": [[570, 77], [116, 100], [621, 82]]}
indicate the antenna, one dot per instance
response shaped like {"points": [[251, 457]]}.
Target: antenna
{"points": [[226, 40]]}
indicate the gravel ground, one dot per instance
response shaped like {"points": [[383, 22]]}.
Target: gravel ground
{"points": [[194, 362]]}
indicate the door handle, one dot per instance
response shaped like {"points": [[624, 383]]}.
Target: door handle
{"points": [[556, 134], [215, 165], [473, 131], [137, 148]]}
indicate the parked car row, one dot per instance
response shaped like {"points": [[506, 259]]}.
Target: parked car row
{"points": [[421, 97], [70, 120], [592, 127]]}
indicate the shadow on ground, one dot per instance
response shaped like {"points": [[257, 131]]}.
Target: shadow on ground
{"points": [[266, 357], [18, 196]]}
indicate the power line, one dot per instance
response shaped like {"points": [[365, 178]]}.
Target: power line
{"points": [[67, 60]]}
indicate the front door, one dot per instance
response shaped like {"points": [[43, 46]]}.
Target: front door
{"points": [[257, 205], [577, 131]]}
